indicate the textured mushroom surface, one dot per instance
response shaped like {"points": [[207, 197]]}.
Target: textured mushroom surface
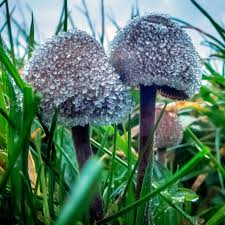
{"points": [[73, 73], [169, 131], [154, 50]]}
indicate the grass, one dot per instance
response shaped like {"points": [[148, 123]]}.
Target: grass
{"points": [[48, 188]]}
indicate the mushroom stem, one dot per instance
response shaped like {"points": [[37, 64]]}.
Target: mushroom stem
{"points": [[81, 140], [147, 123], [161, 152]]}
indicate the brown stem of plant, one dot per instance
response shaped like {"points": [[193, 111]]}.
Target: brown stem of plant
{"points": [[81, 139]]}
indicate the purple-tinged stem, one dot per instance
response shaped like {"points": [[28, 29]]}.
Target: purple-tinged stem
{"points": [[147, 122], [146, 154], [81, 140]]}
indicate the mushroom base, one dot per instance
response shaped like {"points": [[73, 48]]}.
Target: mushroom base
{"points": [[81, 139]]}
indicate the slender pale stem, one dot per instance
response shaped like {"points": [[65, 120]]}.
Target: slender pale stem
{"points": [[81, 139]]}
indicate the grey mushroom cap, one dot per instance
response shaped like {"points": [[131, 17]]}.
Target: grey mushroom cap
{"points": [[154, 50], [73, 73], [169, 131]]}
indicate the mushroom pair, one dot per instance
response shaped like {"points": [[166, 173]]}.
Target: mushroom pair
{"points": [[73, 73], [154, 53]]}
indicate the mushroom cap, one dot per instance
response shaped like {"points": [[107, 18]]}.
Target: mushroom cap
{"points": [[169, 131], [154, 50], [73, 73]]}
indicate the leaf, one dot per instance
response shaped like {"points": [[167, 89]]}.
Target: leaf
{"points": [[217, 217], [179, 174], [65, 15], [3, 159], [8, 19], [31, 37], [11, 68], [184, 195], [4, 115], [82, 193], [111, 171], [2, 107], [219, 29]]}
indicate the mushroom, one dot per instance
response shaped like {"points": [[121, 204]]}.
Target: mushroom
{"points": [[73, 73], [154, 53], [168, 133]]}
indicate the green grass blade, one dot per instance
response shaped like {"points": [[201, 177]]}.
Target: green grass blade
{"points": [[100, 149], [1, 4], [75, 170], [143, 213], [81, 194], [98, 145], [72, 24], [29, 100], [114, 22], [86, 13], [43, 181], [5, 115], [210, 36], [9, 29], [31, 37], [65, 16], [14, 113], [51, 133], [21, 30], [3, 109], [37, 181], [218, 156], [61, 187], [11, 69], [217, 217], [25, 134], [63, 20], [30, 199], [130, 191], [51, 156], [102, 9], [111, 172], [179, 174], [191, 220], [219, 29], [200, 147]]}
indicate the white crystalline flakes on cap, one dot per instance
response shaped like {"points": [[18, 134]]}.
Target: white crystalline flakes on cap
{"points": [[153, 49], [72, 72]]}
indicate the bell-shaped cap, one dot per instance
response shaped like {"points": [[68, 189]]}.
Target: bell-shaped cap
{"points": [[169, 131], [73, 73], [154, 50]]}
